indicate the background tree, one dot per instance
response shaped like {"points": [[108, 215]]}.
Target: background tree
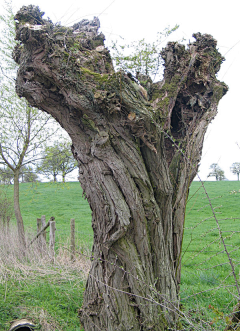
{"points": [[68, 163], [137, 157], [6, 175], [216, 172], [28, 175], [23, 128], [49, 164], [235, 169], [141, 58], [57, 160]]}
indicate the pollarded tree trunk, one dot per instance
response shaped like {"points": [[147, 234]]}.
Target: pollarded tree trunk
{"points": [[137, 157]]}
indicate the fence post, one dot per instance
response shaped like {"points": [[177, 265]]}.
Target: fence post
{"points": [[42, 230], [39, 224], [52, 238], [44, 235], [72, 247], [8, 223], [39, 241]]}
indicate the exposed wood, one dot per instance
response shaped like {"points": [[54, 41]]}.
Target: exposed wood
{"points": [[41, 241]]}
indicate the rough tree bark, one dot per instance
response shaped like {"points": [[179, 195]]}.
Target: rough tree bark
{"points": [[16, 173], [137, 157], [18, 215]]}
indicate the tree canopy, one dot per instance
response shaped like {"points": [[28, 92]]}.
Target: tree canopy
{"points": [[57, 160], [216, 172], [235, 169]]}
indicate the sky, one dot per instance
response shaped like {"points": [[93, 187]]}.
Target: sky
{"points": [[134, 20]]}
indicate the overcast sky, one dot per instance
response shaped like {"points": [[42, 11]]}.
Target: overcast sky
{"points": [[134, 20]]}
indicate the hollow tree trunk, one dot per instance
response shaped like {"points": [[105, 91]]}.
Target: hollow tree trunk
{"points": [[137, 157]]}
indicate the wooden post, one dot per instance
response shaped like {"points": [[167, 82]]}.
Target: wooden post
{"points": [[42, 230], [8, 224], [39, 226], [44, 235], [52, 238], [72, 247], [43, 220]]}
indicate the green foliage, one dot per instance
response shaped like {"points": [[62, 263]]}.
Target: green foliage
{"points": [[6, 175], [235, 169], [141, 57], [8, 66], [28, 175], [58, 159], [216, 172]]}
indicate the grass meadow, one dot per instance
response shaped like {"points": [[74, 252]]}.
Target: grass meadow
{"points": [[50, 294]]}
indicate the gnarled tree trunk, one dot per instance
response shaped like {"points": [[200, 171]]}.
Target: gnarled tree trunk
{"points": [[137, 157]]}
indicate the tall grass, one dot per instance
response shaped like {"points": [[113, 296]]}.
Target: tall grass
{"points": [[32, 286]]}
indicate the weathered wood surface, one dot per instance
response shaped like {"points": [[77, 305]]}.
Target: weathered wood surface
{"points": [[72, 247], [41, 231], [52, 227], [44, 234], [137, 156]]}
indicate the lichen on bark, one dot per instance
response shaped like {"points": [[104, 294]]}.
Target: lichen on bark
{"points": [[137, 156]]}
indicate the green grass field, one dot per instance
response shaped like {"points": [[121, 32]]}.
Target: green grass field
{"points": [[205, 266], [48, 294], [207, 277], [63, 201]]}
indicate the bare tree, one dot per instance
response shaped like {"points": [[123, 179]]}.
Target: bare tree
{"points": [[137, 157], [23, 128]]}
